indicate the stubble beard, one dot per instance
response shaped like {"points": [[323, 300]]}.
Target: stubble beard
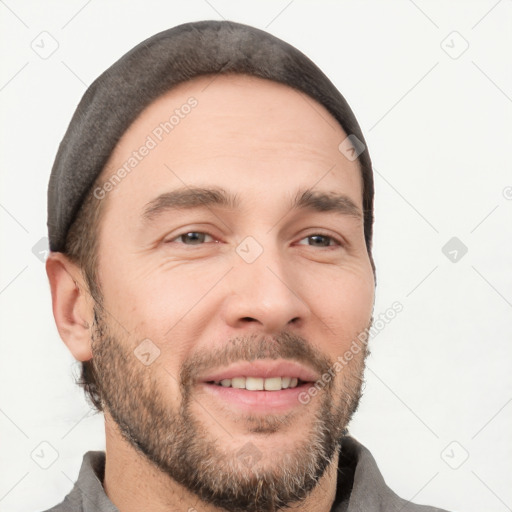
{"points": [[182, 447]]}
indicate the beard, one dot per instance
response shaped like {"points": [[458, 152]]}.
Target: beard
{"points": [[227, 475]]}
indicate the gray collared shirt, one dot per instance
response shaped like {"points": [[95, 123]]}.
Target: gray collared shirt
{"points": [[360, 486]]}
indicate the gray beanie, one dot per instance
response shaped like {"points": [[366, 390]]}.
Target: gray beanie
{"points": [[123, 91]]}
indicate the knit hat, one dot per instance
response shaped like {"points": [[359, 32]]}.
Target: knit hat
{"points": [[116, 98]]}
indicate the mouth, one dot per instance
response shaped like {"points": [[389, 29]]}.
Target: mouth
{"points": [[259, 383], [267, 387]]}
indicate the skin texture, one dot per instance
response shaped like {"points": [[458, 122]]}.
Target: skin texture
{"points": [[170, 443]]}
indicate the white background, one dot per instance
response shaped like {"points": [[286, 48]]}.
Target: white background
{"points": [[439, 131]]}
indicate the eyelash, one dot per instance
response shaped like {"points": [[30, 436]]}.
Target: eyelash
{"points": [[337, 241]]}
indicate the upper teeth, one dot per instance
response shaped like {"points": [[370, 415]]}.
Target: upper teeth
{"points": [[259, 384]]}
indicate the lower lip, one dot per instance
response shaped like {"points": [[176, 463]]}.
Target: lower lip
{"points": [[258, 401]]}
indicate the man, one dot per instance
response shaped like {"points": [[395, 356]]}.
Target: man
{"points": [[210, 220]]}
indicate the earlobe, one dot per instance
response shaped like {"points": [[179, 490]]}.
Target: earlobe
{"points": [[71, 303]]}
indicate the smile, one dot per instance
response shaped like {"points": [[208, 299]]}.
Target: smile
{"points": [[259, 384]]}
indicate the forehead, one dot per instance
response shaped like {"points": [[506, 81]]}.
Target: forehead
{"points": [[239, 132]]}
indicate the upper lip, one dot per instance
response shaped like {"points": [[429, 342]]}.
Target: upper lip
{"points": [[263, 369]]}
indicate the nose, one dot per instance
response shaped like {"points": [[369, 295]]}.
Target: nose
{"points": [[265, 294]]}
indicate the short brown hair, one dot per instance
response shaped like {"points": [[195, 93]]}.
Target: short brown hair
{"points": [[82, 243]]}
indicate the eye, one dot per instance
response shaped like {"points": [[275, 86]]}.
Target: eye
{"points": [[320, 240], [199, 238], [192, 238]]}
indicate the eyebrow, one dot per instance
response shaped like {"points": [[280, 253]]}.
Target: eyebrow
{"points": [[326, 202], [187, 199], [201, 197]]}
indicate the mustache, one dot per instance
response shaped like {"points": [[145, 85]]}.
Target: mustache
{"points": [[285, 345]]}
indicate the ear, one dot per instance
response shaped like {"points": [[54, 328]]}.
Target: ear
{"points": [[72, 304]]}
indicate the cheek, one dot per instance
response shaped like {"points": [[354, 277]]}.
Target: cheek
{"points": [[157, 300], [345, 305]]}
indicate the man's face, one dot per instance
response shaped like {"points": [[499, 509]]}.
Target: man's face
{"points": [[197, 290]]}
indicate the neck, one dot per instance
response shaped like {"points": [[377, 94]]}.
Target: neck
{"points": [[133, 483]]}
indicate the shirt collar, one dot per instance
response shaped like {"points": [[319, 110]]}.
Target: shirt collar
{"points": [[360, 485]]}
